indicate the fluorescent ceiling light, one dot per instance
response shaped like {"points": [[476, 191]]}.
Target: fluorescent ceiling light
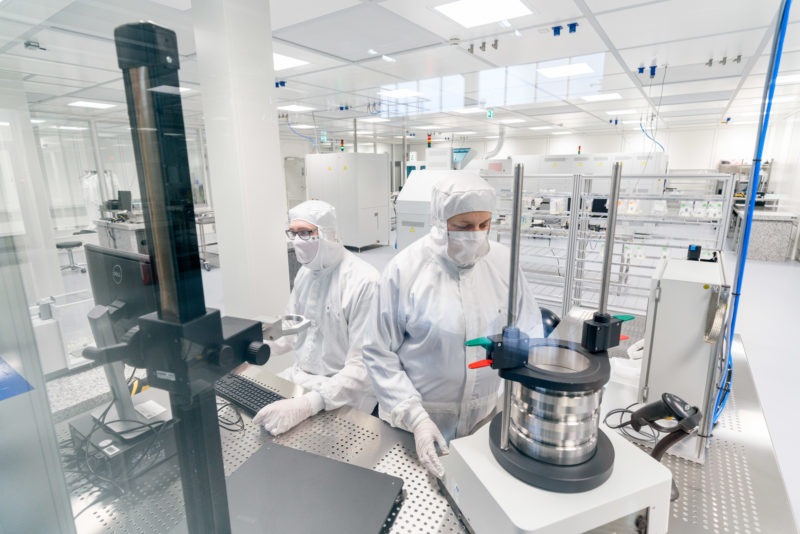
{"points": [[399, 93], [602, 97], [563, 71], [540, 128], [428, 127], [466, 111], [388, 59], [302, 126], [76, 128], [468, 132], [372, 52], [295, 107], [92, 105], [622, 112], [788, 78], [471, 13], [492, 136], [374, 119], [562, 133], [170, 89], [511, 121], [37, 121], [363, 132], [281, 62]]}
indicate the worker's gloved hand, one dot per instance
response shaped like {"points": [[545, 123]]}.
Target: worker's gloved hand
{"points": [[426, 437], [285, 414]]}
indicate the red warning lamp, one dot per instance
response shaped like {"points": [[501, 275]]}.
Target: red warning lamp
{"points": [[429, 140], [341, 145]]}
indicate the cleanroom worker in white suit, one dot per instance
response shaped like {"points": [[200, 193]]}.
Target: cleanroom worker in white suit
{"points": [[449, 287], [334, 289]]}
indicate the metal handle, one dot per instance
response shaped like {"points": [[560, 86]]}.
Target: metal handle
{"points": [[613, 199], [515, 231]]}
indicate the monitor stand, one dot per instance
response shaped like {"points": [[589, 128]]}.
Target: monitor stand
{"points": [[128, 417]]}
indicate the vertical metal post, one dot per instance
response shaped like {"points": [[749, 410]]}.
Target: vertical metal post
{"points": [[572, 241], [516, 217], [355, 135], [513, 288], [608, 253]]}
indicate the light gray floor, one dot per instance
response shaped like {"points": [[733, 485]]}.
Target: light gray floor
{"points": [[768, 323]]}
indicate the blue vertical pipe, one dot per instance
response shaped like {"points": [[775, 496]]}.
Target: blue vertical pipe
{"points": [[766, 107]]}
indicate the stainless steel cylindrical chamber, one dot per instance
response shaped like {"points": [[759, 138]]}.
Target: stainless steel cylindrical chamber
{"points": [[558, 427]]}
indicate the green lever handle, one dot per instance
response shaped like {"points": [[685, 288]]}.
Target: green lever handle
{"points": [[484, 342], [624, 318]]}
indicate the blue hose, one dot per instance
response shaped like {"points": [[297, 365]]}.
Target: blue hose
{"points": [[722, 396], [648, 136], [313, 143]]}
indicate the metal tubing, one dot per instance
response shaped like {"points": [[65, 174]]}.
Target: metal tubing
{"points": [[403, 155], [515, 231], [613, 199], [505, 418], [99, 168], [355, 135]]}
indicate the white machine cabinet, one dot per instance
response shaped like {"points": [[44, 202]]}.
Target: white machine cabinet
{"points": [[685, 316], [357, 185]]}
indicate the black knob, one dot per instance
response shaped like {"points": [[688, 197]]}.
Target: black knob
{"points": [[257, 353], [227, 357]]}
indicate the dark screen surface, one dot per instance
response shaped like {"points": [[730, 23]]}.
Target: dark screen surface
{"points": [[117, 277]]}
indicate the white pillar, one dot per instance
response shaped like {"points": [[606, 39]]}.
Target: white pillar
{"points": [[26, 198], [234, 54]]}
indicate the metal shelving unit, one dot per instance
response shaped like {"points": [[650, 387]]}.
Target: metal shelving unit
{"points": [[561, 248]]}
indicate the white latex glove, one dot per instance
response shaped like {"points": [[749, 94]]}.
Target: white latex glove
{"points": [[285, 414], [426, 437]]}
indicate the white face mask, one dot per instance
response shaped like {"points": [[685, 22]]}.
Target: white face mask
{"points": [[465, 248], [306, 250]]}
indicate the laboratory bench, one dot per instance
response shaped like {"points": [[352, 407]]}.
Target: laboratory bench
{"points": [[773, 234], [739, 488]]}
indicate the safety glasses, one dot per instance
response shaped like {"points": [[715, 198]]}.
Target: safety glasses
{"points": [[305, 235]]}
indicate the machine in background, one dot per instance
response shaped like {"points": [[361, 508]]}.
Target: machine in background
{"points": [[684, 351], [357, 185]]}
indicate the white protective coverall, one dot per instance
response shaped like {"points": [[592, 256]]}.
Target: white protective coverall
{"points": [[427, 307], [335, 291]]}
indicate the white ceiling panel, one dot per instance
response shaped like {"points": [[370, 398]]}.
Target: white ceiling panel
{"points": [[670, 89], [545, 13], [58, 81], [59, 70], [690, 51], [10, 30], [47, 88], [314, 61], [71, 48], [348, 78], [428, 63], [600, 6], [684, 19], [350, 33], [697, 72], [285, 14]]}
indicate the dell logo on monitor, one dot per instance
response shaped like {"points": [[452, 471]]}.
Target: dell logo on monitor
{"points": [[116, 274]]}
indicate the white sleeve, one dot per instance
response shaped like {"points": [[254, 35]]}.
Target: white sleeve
{"points": [[397, 397], [284, 344], [351, 384]]}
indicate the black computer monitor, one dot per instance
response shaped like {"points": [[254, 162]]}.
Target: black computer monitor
{"points": [[124, 281], [124, 198]]}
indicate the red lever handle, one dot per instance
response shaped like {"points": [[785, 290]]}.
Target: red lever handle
{"points": [[623, 337], [479, 364]]}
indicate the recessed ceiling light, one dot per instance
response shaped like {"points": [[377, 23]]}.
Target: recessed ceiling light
{"points": [[492, 137], [399, 93], [540, 128], [511, 121], [170, 89], [388, 59], [92, 105], [602, 97], [37, 121], [504, 23], [563, 71], [562, 133], [5, 124], [363, 132], [471, 13], [466, 111], [301, 126], [281, 62], [76, 128], [427, 127], [468, 132], [295, 107], [622, 112], [372, 52], [788, 78], [374, 119], [516, 33]]}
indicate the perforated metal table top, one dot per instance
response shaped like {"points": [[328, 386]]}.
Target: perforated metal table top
{"points": [[738, 490]]}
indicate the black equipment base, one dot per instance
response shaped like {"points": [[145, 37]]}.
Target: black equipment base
{"points": [[559, 478]]}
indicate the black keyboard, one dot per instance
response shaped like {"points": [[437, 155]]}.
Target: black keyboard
{"points": [[245, 393]]}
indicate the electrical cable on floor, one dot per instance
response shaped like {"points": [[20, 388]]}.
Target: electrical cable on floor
{"points": [[622, 426], [231, 425]]}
